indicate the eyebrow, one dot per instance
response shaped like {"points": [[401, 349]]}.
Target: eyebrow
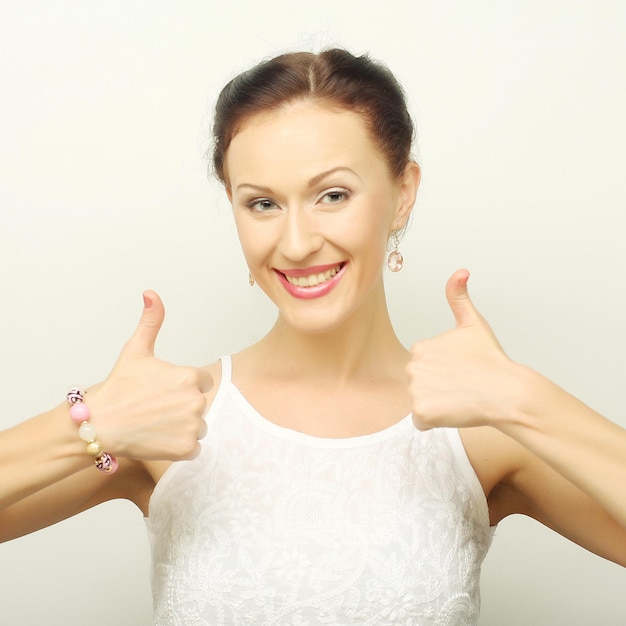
{"points": [[310, 183]]}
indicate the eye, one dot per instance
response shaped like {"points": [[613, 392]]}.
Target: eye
{"points": [[335, 196], [261, 205]]}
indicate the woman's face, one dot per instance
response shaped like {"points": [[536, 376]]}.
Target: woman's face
{"points": [[314, 202]]}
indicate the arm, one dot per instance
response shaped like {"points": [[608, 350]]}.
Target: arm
{"points": [[146, 409], [463, 378], [580, 444], [38, 453]]}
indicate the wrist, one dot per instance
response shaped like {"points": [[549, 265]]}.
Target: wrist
{"points": [[529, 396], [65, 443], [103, 409], [80, 414]]}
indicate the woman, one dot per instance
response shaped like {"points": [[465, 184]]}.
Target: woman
{"points": [[315, 499]]}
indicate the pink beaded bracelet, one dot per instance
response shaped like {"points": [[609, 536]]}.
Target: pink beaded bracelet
{"points": [[79, 412]]}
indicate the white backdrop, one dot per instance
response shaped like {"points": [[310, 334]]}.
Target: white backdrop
{"points": [[105, 112]]}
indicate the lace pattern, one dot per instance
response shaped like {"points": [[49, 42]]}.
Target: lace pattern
{"points": [[269, 526]]}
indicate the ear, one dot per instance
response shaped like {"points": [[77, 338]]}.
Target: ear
{"points": [[229, 193], [409, 184]]}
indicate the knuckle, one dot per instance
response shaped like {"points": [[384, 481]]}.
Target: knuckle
{"points": [[198, 405], [420, 421], [410, 370], [186, 377], [192, 452], [417, 420], [186, 450]]}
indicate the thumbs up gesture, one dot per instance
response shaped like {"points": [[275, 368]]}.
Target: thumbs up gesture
{"points": [[147, 408], [463, 377]]}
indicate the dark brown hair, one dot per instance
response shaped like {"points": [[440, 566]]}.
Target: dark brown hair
{"points": [[334, 76]]}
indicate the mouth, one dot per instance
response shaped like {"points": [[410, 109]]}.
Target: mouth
{"points": [[314, 276], [312, 282]]}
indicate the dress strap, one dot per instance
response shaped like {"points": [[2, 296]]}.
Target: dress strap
{"points": [[222, 391], [227, 368]]}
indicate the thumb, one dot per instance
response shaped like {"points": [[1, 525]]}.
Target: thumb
{"points": [[462, 307], [143, 339]]}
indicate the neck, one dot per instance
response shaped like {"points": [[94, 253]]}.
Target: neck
{"points": [[360, 347]]}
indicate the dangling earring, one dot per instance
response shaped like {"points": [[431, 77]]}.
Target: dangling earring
{"points": [[250, 279], [395, 259]]}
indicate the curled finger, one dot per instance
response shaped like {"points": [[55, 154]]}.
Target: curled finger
{"points": [[204, 429]]}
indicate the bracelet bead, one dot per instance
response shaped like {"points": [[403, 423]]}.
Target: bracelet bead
{"points": [[74, 395], [94, 448], [79, 412], [106, 463], [87, 432], [80, 415]]}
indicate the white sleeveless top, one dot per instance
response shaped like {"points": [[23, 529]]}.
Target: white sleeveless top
{"points": [[272, 526]]}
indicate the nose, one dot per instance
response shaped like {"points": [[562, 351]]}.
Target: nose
{"points": [[300, 236]]}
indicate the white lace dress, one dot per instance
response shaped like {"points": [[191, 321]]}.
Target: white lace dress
{"points": [[271, 526]]}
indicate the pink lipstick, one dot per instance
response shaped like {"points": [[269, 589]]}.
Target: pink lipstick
{"points": [[311, 282]]}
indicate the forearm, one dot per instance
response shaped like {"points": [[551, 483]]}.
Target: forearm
{"points": [[37, 453], [582, 445], [147, 409]]}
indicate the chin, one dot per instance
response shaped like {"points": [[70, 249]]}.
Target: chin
{"points": [[314, 322]]}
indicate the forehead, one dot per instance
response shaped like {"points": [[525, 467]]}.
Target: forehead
{"points": [[298, 141]]}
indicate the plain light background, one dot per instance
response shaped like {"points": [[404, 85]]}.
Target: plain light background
{"points": [[105, 112]]}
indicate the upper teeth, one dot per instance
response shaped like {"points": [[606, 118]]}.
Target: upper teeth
{"points": [[313, 279]]}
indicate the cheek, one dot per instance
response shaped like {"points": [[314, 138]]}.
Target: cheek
{"points": [[256, 240], [372, 229], [246, 239]]}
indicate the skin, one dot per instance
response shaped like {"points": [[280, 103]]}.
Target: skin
{"points": [[309, 189], [558, 439], [145, 409], [318, 344]]}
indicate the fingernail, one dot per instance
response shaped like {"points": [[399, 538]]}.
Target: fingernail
{"points": [[146, 301]]}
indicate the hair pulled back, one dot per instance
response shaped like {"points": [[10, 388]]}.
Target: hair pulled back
{"points": [[335, 77]]}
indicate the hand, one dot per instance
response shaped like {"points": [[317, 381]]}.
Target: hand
{"points": [[463, 377], [147, 408]]}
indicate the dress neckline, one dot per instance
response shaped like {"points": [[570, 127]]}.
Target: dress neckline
{"points": [[270, 427]]}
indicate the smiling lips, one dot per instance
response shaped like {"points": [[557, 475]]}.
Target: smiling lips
{"points": [[312, 282]]}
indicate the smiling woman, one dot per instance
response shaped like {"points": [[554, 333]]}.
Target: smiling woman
{"points": [[329, 196], [328, 489]]}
